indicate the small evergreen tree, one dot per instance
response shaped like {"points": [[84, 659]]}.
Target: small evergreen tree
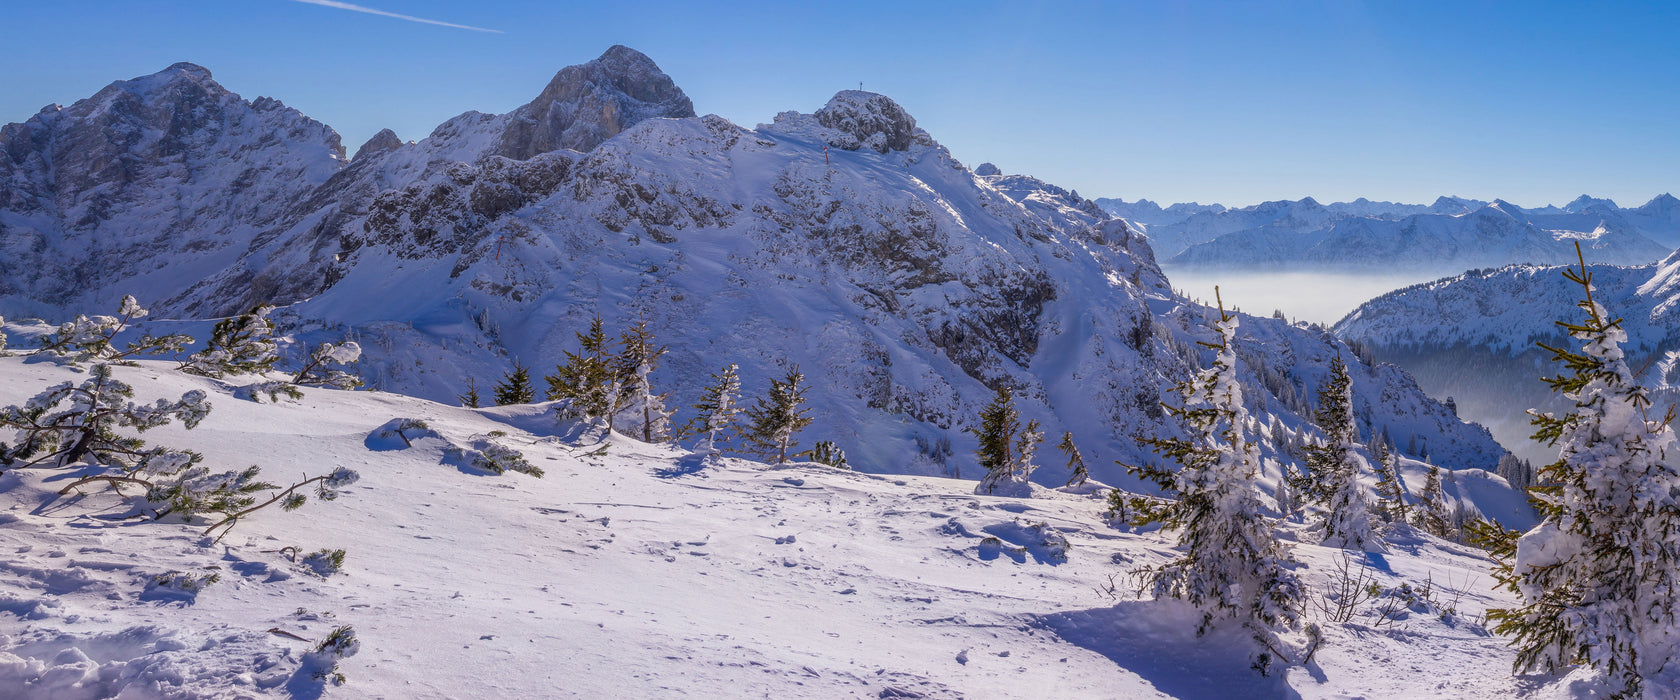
{"points": [[1434, 514], [1006, 447], [588, 381], [1391, 490], [243, 344], [775, 419], [718, 407], [1076, 462], [515, 387], [1336, 464], [825, 452], [1598, 580], [471, 399], [643, 408], [1233, 566]]}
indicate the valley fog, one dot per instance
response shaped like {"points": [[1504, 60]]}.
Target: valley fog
{"points": [[1318, 297]]}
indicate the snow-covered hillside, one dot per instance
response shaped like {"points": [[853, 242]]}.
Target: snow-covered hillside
{"points": [[631, 569], [846, 241], [1451, 235], [1474, 336]]}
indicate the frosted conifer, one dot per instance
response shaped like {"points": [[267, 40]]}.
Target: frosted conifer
{"points": [[1233, 566], [243, 344], [1598, 580], [319, 370], [718, 407], [470, 399], [91, 338], [643, 409], [1391, 489], [1433, 514], [775, 419], [1336, 465]]}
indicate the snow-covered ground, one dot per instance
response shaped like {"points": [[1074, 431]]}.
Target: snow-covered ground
{"points": [[636, 570]]}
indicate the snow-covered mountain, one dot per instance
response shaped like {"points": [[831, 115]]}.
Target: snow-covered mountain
{"points": [[1449, 236], [1474, 335], [846, 241]]}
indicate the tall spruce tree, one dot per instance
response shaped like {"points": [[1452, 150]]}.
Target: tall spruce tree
{"points": [[1598, 580], [1336, 464], [643, 411], [515, 387], [1006, 447], [1391, 490], [718, 407], [775, 419], [588, 381], [1233, 566]]}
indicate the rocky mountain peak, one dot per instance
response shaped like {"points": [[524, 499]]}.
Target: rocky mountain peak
{"points": [[871, 120], [587, 104], [383, 142]]}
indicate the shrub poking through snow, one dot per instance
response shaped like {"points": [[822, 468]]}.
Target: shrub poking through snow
{"points": [[91, 338], [321, 663], [243, 344], [1233, 567], [276, 391], [406, 429], [320, 370], [182, 582], [775, 419], [1006, 447], [1598, 580], [488, 455], [826, 453], [325, 562]]}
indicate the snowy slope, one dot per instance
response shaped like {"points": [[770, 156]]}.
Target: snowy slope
{"points": [[635, 570], [1474, 336]]}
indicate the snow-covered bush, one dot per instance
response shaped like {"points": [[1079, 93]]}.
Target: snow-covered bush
{"points": [[243, 344], [825, 453], [321, 663], [91, 338], [276, 391], [319, 370], [325, 562], [486, 454]]}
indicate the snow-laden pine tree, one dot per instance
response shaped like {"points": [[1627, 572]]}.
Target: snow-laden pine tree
{"points": [[1336, 465], [1233, 567], [718, 407], [775, 419], [1391, 489], [1598, 580], [643, 410], [319, 369], [1433, 513], [515, 387], [92, 338], [1006, 447], [243, 344], [588, 381]]}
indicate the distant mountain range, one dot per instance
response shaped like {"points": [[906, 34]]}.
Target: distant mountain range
{"points": [[1449, 236]]}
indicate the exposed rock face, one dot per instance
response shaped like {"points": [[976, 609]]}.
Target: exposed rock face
{"points": [[987, 170], [153, 181], [866, 119], [585, 105], [383, 142]]}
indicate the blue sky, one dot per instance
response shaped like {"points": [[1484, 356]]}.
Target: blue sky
{"points": [[1235, 102]]}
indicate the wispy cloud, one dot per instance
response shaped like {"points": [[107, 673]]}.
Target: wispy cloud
{"points": [[382, 13]]}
